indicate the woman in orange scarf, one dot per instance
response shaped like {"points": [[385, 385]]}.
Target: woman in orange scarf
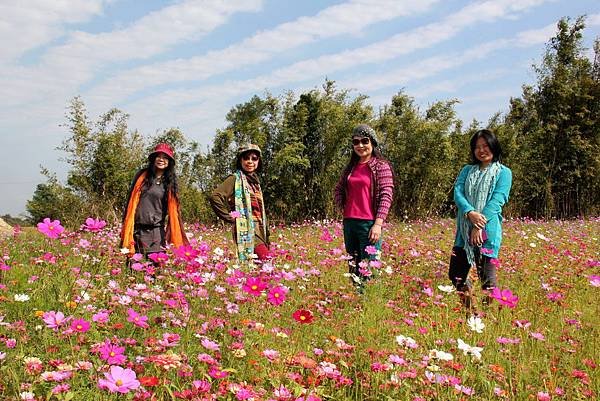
{"points": [[152, 218]]}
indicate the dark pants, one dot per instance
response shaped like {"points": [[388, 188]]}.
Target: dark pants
{"points": [[356, 240], [149, 239], [459, 270]]}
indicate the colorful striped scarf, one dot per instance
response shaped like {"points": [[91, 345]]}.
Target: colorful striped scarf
{"points": [[245, 223]]}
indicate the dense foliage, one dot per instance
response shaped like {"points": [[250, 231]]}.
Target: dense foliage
{"points": [[550, 135]]}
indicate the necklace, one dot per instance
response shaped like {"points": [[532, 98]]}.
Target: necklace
{"points": [[158, 180]]}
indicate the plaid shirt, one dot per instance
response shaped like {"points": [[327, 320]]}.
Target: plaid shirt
{"points": [[381, 193]]}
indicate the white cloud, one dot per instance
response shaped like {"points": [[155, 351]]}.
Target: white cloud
{"points": [[593, 20], [346, 18], [65, 67], [388, 49], [26, 25]]}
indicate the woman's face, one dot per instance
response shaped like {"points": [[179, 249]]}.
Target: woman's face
{"points": [[250, 162], [362, 147], [161, 162], [483, 153]]}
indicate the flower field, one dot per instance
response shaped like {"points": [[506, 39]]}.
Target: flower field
{"points": [[77, 323]]}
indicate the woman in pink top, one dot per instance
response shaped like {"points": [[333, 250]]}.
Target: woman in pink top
{"points": [[364, 194]]}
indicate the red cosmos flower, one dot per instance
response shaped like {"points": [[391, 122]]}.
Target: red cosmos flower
{"points": [[149, 381], [303, 316]]}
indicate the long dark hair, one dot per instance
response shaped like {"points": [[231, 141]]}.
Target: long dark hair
{"points": [[492, 142], [169, 177]]}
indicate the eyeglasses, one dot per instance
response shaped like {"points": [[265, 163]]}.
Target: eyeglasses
{"points": [[365, 141], [254, 158]]}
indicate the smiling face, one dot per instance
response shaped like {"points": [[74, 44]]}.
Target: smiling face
{"points": [[483, 153], [250, 161], [161, 162], [363, 147]]}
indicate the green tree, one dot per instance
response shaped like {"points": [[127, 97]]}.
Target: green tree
{"points": [[558, 121]]}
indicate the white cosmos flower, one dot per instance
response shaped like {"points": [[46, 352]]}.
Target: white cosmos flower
{"points": [[476, 324], [22, 297], [441, 355], [446, 288], [406, 341], [469, 350]]}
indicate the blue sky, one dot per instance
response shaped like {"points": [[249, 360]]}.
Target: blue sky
{"points": [[186, 63]]}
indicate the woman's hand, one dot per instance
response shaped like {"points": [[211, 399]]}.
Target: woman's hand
{"points": [[476, 236], [375, 233], [477, 219]]}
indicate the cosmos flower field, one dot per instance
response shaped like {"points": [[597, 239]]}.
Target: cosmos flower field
{"points": [[78, 323]]}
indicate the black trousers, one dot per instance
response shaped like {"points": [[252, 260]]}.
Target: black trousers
{"points": [[459, 270]]}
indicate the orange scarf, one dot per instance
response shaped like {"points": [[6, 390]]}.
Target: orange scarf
{"points": [[175, 233]]}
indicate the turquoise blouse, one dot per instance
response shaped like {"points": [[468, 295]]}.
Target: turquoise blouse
{"points": [[498, 196]]}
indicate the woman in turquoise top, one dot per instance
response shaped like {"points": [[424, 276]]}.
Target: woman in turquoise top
{"points": [[480, 191]]}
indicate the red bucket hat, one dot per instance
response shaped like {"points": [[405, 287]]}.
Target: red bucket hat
{"points": [[164, 148]]}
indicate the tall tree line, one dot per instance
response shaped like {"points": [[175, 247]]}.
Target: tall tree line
{"points": [[550, 137]]}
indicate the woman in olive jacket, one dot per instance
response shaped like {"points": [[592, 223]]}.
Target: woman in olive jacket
{"points": [[239, 200]]}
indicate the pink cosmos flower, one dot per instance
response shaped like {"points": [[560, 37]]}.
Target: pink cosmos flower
{"points": [[101, 317], [209, 344], [119, 380], [537, 335], [235, 214], [54, 319], [51, 229], [276, 295], [80, 325], [543, 396], [61, 388], [325, 236], [505, 297], [487, 251], [112, 354], [202, 386], [594, 280], [216, 373], [93, 225], [271, 354], [159, 258], [554, 296], [254, 286], [169, 340], [137, 319], [371, 250]]}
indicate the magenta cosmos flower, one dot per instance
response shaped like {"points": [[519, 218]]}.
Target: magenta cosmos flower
{"points": [[505, 297], [254, 286], [119, 380], [112, 354], [277, 295], [94, 225], [80, 325], [137, 319], [51, 229]]}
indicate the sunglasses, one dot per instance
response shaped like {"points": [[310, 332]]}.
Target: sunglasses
{"points": [[254, 158], [364, 141]]}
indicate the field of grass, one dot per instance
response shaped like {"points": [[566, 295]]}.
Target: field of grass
{"points": [[77, 324]]}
